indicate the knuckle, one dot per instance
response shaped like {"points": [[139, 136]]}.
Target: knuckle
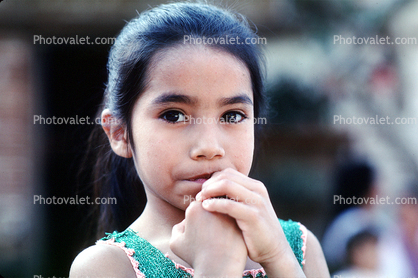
{"points": [[222, 176], [226, 183], [261, 188], [253, 214], [223, 185], [259, 184], [192, 209]]}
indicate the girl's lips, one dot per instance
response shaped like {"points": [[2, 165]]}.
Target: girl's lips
{"points": [[200, 180]]}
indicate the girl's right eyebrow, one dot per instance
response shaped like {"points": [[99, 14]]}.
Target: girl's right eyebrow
{"points": [[173, 98]]}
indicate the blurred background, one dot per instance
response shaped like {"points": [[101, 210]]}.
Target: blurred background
{"points": [[311, 150]]}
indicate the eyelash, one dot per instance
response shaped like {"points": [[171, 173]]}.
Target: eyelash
{"points": [[164, 115], [242, 115]]}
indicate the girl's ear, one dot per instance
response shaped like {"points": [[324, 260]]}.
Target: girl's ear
{"points": [[117, 134]]}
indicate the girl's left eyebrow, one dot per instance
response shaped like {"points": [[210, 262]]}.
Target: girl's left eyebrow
{"points": [[243, 98], [173, 98], [180, 98]]}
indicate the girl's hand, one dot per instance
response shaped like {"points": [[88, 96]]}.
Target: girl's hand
{"points": [[248, 202], [210, 242]]}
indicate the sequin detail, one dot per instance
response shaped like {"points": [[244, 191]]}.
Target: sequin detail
{"points": [[294, 233], [129, 253], [304, 237], [148, 261], [247, 273], [179, 266], [254, 273]]}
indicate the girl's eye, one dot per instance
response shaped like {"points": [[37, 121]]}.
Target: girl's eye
{"points": [[233, 117], [173, 116]]}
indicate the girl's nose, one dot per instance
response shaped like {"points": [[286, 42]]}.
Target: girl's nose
{"points": [[207, 143]]}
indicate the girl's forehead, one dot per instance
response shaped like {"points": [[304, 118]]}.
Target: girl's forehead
{"points": [[182, 57], [206, 72]]}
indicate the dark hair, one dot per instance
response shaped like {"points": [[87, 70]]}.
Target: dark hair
{"points": [[354, 178], [129, 60]]}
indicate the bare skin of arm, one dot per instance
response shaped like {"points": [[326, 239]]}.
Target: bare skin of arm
{"points": [[102, 261], [315, 264]]}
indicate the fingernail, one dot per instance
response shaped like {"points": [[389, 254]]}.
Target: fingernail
{"points": [[199, 197]]}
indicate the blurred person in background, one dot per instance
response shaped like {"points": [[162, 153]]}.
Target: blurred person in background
{"points": [[398, 247], [362, 256], [354, 181]]}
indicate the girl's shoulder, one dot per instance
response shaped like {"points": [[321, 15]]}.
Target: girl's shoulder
{"points": [[306, 248], [101, 261]]}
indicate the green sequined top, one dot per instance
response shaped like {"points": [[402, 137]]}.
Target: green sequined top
{"points": [[148, 261]]}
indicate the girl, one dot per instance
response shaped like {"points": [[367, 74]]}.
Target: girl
{"points": [[183, 114]]}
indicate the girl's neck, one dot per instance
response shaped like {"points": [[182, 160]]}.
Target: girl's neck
{"points": [[157, 220]]}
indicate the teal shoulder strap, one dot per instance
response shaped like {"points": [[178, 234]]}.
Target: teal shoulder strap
{"points": [[295, 236], [151, 262]]}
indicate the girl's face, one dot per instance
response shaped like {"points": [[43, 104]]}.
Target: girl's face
{"points": [[194, 118]]}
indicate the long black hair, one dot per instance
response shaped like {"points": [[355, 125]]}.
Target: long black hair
{"points": [[129, 59]]}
